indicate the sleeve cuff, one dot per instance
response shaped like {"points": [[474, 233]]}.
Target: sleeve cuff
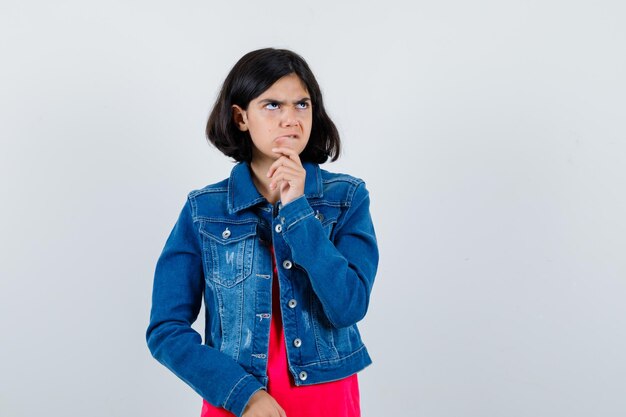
{"points": [[294, 211], [241, 394]]}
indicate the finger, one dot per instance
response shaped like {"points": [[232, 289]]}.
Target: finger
{"points": [[281, 181], [291, 153], [283, 169], [285, 162], [283, 174], [279, 409]]}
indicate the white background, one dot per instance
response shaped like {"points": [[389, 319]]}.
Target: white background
{"points": [[490, 134]]}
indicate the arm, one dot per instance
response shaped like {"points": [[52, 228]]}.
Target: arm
{"points": [[341, 272], [176, 300]]}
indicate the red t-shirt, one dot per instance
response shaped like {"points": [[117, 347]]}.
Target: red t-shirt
{"points": [[336, 398]]}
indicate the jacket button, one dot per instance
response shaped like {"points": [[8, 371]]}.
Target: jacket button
{"points": [[226, 233], [319, 216], [297, 342], [302, 375], [292, 303], [278, 228], [287, 264]]}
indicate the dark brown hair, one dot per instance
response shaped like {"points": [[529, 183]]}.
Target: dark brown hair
{"points": [[254, 73]]}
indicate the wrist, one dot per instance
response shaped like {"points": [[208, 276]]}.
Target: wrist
{"points": [[288, 200]]}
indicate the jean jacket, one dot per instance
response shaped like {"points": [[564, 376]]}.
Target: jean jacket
{"points": [[218, 252]]}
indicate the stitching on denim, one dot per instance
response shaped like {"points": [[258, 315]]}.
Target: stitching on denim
{"points": [[207, 189], [341, 359], [192, 203], [315, 313], [318, 181], [248, 204], [342, 178], [289, 226], [233, 389], [230, 196], [352, 192], [223, 220], [338, 204], [350, 197], [324, 306], [205, 262], [239, 343], [220, 311], [315, 331], [223, 241]]}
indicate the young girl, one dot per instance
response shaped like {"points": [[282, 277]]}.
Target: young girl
{"points": [[282, 252]]}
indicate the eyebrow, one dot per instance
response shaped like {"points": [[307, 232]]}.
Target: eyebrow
{"points": [[271, 100]]}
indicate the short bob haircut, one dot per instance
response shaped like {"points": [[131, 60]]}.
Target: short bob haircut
{"points": [[254, 73]]}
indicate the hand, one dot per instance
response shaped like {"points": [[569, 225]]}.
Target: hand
{"points": [[287, 173], [262, 404]]}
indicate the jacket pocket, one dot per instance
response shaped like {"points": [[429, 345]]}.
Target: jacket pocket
{"points": [[228, 251], [322, 330], [327, 216]]}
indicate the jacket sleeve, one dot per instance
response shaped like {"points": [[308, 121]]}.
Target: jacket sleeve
{"points": [[341, 271], [176, 300]]}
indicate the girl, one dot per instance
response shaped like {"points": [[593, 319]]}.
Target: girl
{"points": [[282, 252]]}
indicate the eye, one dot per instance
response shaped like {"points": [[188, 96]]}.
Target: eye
{"points": [[271, 106], [303, 105]]}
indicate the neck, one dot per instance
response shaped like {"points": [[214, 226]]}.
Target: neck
{"points": [[259, 170]]}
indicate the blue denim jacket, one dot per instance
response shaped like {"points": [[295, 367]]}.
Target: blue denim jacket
{"points": [[218, 251]]}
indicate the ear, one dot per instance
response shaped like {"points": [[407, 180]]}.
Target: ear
{"points": [[240, 117]]}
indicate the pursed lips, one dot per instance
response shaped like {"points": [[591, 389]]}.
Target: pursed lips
{"points": [[285, 137]]}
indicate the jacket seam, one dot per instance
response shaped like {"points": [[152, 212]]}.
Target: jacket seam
{"points": [[344, 178], [223, 220], [233, 389], [349, 201], [298, 220], [338, 204], [192, 202], [207, 190], [341, 359]]}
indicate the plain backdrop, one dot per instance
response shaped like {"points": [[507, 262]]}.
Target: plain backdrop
{"points": [[491, 135]]}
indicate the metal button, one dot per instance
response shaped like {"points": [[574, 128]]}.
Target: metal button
{"points": [[302, 375], [226, 233], [319, 216], [297, 342], [292, 303], [278, 228], [287, 264]]}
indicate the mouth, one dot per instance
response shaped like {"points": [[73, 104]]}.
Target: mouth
{"points": [[285, 138]]}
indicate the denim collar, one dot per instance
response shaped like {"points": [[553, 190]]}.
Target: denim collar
{"points": [[242, 193]]}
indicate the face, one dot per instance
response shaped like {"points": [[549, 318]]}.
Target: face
{"points": [[280, 116]]}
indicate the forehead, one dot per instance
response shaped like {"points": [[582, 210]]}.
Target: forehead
{"points": [[287, 86]]}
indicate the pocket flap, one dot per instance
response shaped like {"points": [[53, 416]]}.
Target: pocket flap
{"points": [[225, 233]]}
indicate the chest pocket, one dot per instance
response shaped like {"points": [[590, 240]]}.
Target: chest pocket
{"points": [[327, 215], [228, 251]]}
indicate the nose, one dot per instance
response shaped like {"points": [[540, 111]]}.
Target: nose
{"points": [[290, 116]]}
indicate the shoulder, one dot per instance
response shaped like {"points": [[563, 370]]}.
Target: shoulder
{"points": [[341, 187], [219, 187], [209, 199], [329, 177]]}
